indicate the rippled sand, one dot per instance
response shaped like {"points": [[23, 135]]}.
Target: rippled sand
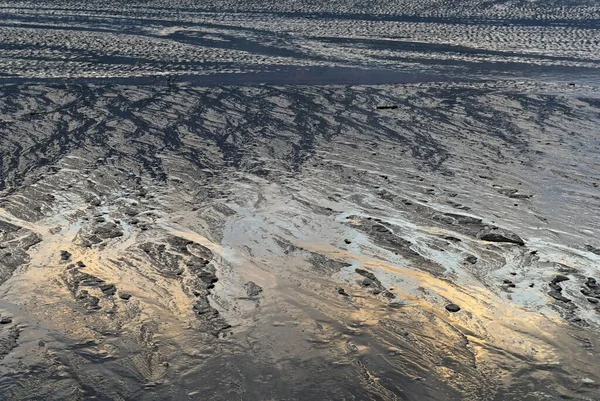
{"points": [[252, 203]]}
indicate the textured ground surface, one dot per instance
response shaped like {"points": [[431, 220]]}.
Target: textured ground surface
{"points": [[285, 200]]}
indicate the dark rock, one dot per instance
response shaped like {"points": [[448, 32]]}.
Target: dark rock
{"points": [[519, 196], [591, 289], [559, 278], [91, 240], [108, 289], [499, 235], [90, 281], [5, 320], [125, 296], [452, 239], [367, 274], [253, 290], [80, 264], [593, 300], [341, 291], [203, 308], [388, 294], [558, 296], [452, 308], [592, 249], [208, 276], [131, 211], [471, 259], [108, 230], [555, 287], [93, 302], [180, 244], [387, 107], [65, 255], [367, 282], [347, 241]]}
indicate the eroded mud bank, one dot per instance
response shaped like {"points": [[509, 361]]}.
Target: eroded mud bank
{"points": [[179, 242]]}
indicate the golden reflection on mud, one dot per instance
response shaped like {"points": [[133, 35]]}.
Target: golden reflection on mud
{"points": [[495, 328]]}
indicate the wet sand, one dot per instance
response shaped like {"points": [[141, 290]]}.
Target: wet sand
{"points": [[322, 227]]}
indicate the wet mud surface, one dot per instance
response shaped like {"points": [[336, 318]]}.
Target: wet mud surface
{"points": [[299, 201]]}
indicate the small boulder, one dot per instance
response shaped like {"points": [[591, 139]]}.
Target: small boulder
{"points": [[65, 255], [452, 308], [472, 259], [253, 290], [592, 249], [367, 274], [558, 296], [559, 278], [367, 282], [499, 235], [509, 284], [108, 289], [519, 196], [341, 291]]}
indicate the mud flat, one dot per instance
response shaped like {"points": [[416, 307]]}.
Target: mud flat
{"points": [[248, 202]]}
